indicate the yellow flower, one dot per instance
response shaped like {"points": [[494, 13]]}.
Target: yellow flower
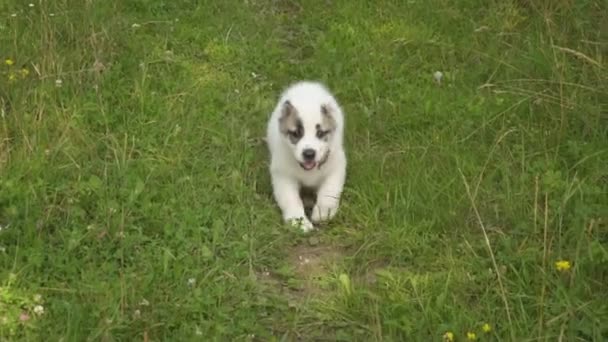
{"points": [[471, 336], [448, 336], [12, 77], [563, 265], [24, 72], [9, 62], [486, 328]]}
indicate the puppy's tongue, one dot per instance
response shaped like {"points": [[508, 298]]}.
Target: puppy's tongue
{"points": [[309, 165]]}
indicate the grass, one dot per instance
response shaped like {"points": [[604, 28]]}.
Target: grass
{"points": [[135, 199]]}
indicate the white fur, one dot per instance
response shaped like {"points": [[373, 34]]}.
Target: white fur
{"points": [[287, 174]]}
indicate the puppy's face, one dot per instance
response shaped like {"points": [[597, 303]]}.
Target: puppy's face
{"points": [[308, 133]]}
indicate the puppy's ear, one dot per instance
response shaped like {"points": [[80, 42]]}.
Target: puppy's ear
{"points": [[287, 110], [327, 109], [329, 122]]}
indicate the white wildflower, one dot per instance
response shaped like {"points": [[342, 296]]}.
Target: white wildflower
{"points": [[438, 76], [39, 309], [191, 282], [58, 83]]}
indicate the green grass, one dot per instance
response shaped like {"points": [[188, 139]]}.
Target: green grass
{"points": [[135, 198]]}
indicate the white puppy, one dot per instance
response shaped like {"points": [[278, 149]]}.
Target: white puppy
{"points": [[305, 140]]}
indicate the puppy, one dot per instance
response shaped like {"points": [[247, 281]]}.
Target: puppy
{"points": [[304, 136]]}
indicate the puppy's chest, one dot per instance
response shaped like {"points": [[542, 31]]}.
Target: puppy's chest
{"points": [[312, 179]]}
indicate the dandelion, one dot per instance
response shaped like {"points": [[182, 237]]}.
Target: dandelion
{"points": [[9, 62], [563, 265], [39, 310], [448, 336], [471, 336], [24, 72], [486, 328], [12, 77]]}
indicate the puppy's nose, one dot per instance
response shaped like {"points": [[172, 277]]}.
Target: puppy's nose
{"points": [[308, 154]]}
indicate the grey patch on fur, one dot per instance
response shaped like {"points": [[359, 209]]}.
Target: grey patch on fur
{"points": [[328, 123], [290, 124], [322, 133], [324, 160]]}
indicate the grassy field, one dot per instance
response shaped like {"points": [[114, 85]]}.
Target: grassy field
{"points": [[135, 202]]}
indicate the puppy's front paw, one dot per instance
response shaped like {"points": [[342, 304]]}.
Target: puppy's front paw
{"points": [[323, 212], [302, 223]]}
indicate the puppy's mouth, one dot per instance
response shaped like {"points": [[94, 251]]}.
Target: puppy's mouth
{"points": [[308, 165]]}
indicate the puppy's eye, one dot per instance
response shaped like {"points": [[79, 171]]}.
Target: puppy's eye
{"points": [[322, 134], [293, 134]]}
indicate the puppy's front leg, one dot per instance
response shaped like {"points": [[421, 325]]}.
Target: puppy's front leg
{"points": [[287, 194], [328, 196]]}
